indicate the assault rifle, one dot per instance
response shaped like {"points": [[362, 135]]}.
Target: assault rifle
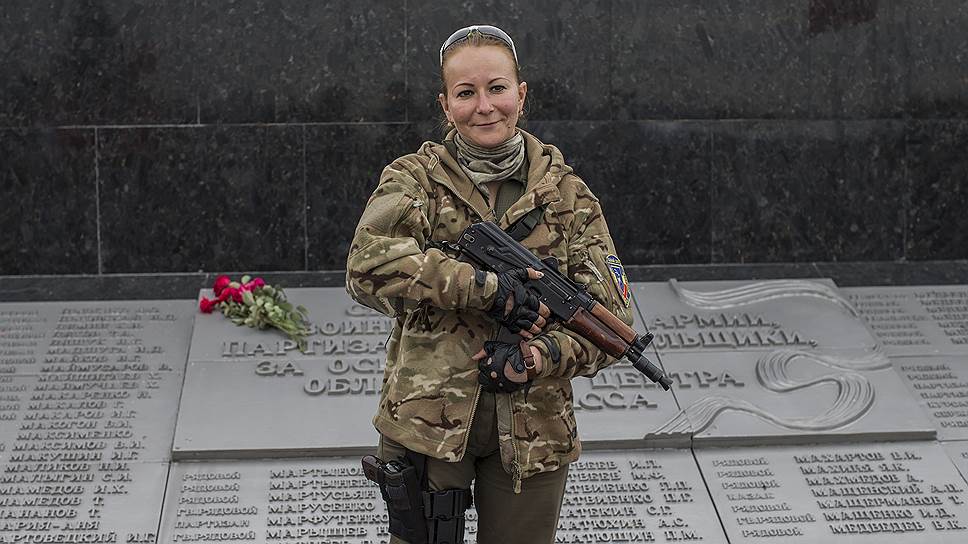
{"points": [[490, 248]]}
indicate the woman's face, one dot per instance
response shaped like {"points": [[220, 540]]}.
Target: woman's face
{"points": [[484, 98]]}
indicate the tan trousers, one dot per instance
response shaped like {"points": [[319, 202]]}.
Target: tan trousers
{"points": [[503, 517]]}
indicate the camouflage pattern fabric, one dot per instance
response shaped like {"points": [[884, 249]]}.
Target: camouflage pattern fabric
{"points": [[430, 387]]}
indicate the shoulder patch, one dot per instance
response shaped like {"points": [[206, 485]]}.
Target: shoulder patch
{"points": [[620, 279]]}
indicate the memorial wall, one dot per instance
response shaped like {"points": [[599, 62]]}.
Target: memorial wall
{"points": [[799, 412]]}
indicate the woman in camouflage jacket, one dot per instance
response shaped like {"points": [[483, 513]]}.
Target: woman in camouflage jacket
{"points": [[431, 398]]}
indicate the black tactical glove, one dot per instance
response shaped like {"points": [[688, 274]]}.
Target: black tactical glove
{"points": [[524, 310], [500, 354]]}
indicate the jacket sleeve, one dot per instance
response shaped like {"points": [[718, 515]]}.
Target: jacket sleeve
{"points": [[588, 249], [388, 268]]}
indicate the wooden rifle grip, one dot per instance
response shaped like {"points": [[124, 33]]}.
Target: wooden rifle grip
{"points": [[611, 321], [587, 325]]}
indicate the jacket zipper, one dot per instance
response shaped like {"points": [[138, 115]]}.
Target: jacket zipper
{"points": [[470, 423], [515, 466]]}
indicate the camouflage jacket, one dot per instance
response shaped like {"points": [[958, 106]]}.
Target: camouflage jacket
{"points": [[430, 388]]}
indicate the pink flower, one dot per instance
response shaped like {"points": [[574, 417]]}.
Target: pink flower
{"points": [[206, 305], [221, 283], [253, 285], [230, 292]]}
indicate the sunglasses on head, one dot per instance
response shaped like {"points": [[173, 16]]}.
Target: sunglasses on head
{"points": [[486, 30]]}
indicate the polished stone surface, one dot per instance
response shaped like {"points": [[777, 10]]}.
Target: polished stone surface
{"points": [[656, 199], [719, 272], [865, 493], [609, 496], [300, 62], [937, 47], [742, 316], [937, 167], [755, 59], [343, 167], [186, 286], [895, 273], [821, 191], [752, 131], [214, 198], [922, 320], [107, 62], [48, 186]]}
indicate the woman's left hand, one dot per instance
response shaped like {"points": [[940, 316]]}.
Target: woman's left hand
{"points": [[509, 373]]}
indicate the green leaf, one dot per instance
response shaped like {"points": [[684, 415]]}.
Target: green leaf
{"points": [[247, 298], [246, 279]]}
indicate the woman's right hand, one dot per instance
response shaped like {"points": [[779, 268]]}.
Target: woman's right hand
{"points": [[522, 312]]}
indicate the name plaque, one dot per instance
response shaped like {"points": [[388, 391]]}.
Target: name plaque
{"points": [[254, 393], [922, 320], [610, 497], [940, 384], [87, 413], [787, 396], [714, 316], [901, 492]]}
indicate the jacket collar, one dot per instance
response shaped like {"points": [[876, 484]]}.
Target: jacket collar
{"points": [[545, 170]]}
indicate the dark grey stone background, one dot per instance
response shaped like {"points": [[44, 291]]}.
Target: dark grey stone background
{"points": [[146, 136]]}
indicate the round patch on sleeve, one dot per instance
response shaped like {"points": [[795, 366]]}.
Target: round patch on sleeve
{"points": [[620, 279]]}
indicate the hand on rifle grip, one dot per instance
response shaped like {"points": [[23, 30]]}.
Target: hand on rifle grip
{"points": [[515, 307]]}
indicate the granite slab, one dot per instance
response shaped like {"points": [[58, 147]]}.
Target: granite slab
{"points": [[712, 316], [940, 385], [278, 407], [60, 502], [648, 495], [902, 492], [99, 377], [915, 320], [788, 396]]}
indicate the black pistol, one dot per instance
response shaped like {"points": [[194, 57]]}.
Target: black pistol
{"points": [[400, 488]]}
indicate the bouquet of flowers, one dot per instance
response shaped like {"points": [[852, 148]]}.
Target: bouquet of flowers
{"points": [[259, 305]]}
